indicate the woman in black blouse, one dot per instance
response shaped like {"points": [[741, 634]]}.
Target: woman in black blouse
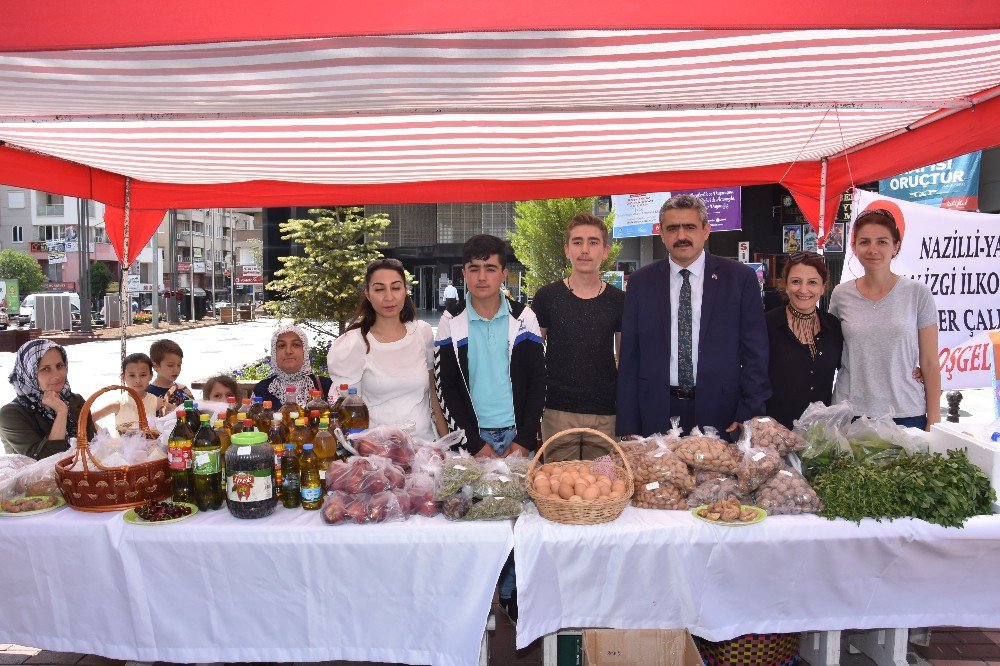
{"points": [[805, 343]]}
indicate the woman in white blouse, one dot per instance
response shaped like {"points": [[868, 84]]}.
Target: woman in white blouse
{"points": [[389, 355]]}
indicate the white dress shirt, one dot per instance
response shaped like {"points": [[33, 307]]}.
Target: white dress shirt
{"points": [[697, 280]]}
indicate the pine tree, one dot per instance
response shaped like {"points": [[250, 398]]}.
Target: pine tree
{"points": [[539, 237], [325, 281]]}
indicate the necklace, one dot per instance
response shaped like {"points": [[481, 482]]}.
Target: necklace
{"points": [[600, 290], [803, 326]]}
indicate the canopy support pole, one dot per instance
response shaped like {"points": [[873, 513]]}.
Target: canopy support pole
{"points": [[822, 199], [123, 307]]}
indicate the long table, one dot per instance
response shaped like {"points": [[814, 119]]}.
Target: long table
{"points": [[667, 569], [285, 588]]}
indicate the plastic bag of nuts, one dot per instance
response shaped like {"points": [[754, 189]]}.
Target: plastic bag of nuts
{"points": [[787, 492], [705, 452], [758, 464], [712, 489], [765, 432], [659, 463], [656, 495]]}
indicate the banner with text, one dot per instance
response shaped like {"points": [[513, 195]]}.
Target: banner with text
{"points": [[638, 214], [957, 254], [952, 184]]}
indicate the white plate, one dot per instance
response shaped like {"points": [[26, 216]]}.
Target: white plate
{"points": [[60, 502]]}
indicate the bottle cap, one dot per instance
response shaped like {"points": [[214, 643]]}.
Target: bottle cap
{"points": [[352, 391], [324, 422], [194, 405], [249, 438], [204, 418], [314, 413], [343, 387], [289, 446], [257, 398], [231, 400], [247, 422], [276, 417], [307, 447], [300, 422], [181, 413], [188, 403], [267, 404], [246, 401], [219, 423]]}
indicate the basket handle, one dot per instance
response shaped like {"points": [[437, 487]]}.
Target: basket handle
{"points": [[572, 431], [81, 427]]}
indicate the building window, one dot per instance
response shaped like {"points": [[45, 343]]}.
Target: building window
{"points": [[48, 233], [53, 272], [15, 199], [50, 204], [18, 234]]}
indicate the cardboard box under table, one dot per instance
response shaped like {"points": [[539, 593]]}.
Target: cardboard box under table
{"points": [[639, 647]]}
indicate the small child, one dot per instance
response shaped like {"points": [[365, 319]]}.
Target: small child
{"points": [[220, 387], [137, 372], [167, 358]]}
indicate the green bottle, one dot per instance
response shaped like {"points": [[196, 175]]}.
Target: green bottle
{"points": [[290, 477], [310, 486], [207, 451], [179, 450]]}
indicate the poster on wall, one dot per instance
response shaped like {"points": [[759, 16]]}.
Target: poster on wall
{"points": [[957, 254], [809, 238], [10, 296], [835, 239], [638, 214], [791, 237], [57, 252], [952, 184]]}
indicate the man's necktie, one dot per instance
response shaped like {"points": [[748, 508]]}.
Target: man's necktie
{"points": [[685, 363]]}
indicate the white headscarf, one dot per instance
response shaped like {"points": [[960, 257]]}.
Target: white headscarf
{"points": [[302, 378]]}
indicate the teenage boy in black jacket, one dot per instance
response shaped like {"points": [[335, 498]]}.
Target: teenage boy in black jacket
{"points": [[489, 371]]}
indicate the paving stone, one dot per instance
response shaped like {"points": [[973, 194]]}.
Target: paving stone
{"points": [[993, 636], [60, 658], [974, 637], [984, 652]]}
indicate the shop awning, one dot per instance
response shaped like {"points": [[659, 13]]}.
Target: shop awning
{"points": [[428, 105]]}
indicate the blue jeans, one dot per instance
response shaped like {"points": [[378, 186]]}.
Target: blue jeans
{"points": [[912, 422], [500, 440]]}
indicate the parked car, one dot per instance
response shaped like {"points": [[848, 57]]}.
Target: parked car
{"points": [[4, 319]]}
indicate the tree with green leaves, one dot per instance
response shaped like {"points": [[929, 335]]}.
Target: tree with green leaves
{"points": [[22, 267], [324, 282], [539, 237], [100, 279]]}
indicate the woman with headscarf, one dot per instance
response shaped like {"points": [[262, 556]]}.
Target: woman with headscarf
{"points": [[290, 367], [45, 413]]}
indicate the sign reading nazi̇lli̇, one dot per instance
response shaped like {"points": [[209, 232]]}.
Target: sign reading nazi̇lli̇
{"points": [[957, 254]]}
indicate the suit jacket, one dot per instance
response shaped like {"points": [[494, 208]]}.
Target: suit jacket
{"points": [[732, 380]]}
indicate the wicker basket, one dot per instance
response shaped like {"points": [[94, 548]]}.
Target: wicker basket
{"points": [[586, 512], [99, 488]]}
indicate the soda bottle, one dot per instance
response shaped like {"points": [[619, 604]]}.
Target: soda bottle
{"points": [[354, 413], [338, 404], [314, 419], [300, 435], [290, 477], [225, 439], [276, 438], [256, 406], [179, 448], [263, 421], [207, 470], [289, 406], [193, 420], [231, 412], [310, 487], [325, 447]]}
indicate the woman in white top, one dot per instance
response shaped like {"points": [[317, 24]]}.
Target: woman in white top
{"points": [[388, 355], [890, 358]]}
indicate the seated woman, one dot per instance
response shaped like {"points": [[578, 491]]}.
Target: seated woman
{"points": [[291, 367], [388, 356], [45, 413], [805, 343]]}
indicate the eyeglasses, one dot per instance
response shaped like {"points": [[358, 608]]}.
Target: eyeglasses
{"points": [[799, 257], [878, 211]]}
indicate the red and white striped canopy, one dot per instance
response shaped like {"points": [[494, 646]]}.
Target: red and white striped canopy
{"points": [[465, 116]]}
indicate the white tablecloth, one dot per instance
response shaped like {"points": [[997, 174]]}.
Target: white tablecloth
{"points": [[216, 589], [666, 569]]}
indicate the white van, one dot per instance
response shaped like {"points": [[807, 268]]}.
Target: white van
{"points": [[27, 313]]}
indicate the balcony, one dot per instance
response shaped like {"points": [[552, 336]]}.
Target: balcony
{"points": [[50, 210]]}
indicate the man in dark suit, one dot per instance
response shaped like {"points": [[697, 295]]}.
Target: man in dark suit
{"points": [[694, 341]]}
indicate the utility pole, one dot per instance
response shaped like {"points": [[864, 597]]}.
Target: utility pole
{"points": [[232, 258], [155, 307], [191, 264], [215, 231], [83, 256], [173, 304]]}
